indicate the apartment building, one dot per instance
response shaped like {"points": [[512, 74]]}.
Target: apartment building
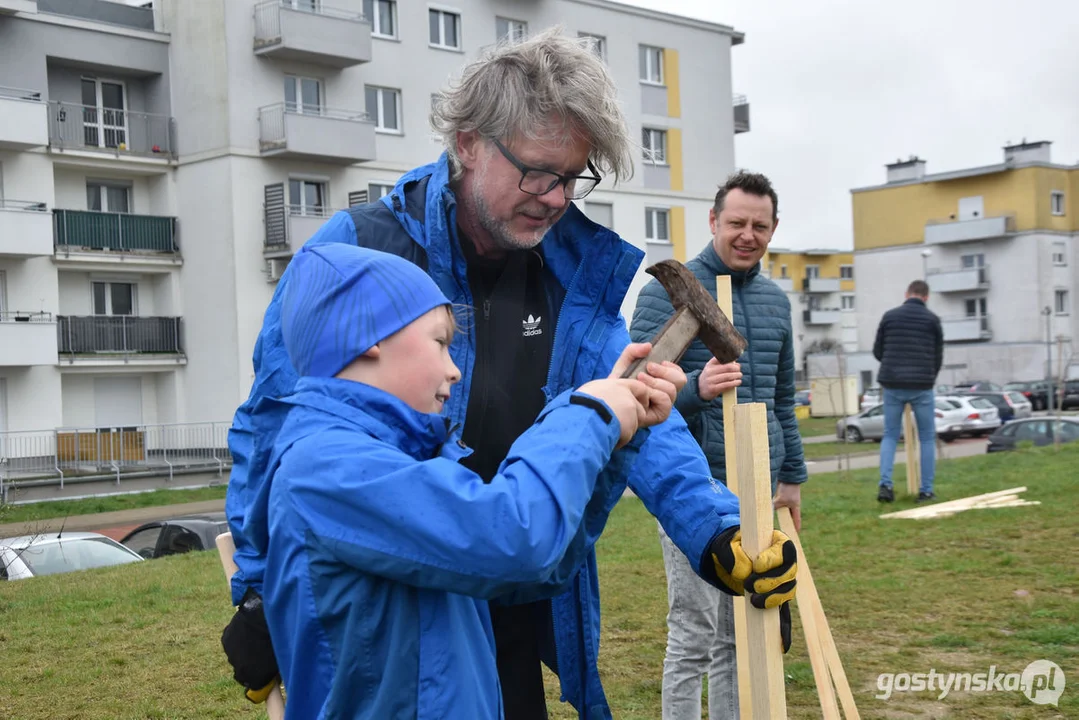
{"points": [[160, 163], [997, 246], [820, 286]]}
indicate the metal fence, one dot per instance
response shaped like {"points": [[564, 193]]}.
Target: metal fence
{"points": [[114, 231], [65, 455], [90, 334], [101, 128], [22, 316]]}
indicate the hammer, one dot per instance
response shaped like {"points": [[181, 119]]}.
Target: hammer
{"points": [[695, 315]]}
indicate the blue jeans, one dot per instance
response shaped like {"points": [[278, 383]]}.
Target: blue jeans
{"points": [[924, 407]]}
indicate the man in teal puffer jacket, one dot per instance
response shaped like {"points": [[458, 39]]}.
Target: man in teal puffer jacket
{"points": [[700, 622]]}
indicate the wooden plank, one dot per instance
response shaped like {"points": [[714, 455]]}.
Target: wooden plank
{"points": [[762, 626], [725, 300], [913, 452], [960, 503], [806, 596]]}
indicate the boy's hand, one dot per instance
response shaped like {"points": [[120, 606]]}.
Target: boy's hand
{"points": [[664, 381], [626, 398]]}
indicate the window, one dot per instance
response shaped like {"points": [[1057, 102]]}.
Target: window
{"points": [[656, 224], [598, 43], [512, 30], [382, 15], [600, 213], [846, 272], [975, 307], [303, 95], [847, 302], [144, 542], [654, 143], [976, 260], [445, 29], [308, 5], [783, 271], [1060, 302], [651, 64], [1060, 259], [384, 107], [104, 116], [378, 190], [1056, 202], [307, 197], [113, 298], [812, 271], [105, 197]]}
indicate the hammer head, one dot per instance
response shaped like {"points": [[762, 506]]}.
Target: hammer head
{"points": [[685, 290]]}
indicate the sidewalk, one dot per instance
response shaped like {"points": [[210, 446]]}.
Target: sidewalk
{"points": [[137, 516]]}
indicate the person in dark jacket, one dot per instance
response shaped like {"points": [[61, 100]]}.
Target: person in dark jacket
{"points": [[700, 621], [910, 348]]}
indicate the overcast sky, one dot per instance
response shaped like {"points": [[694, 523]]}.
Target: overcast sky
{"points": [[838, 88]]}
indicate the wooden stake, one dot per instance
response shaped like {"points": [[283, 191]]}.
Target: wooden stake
{"points": [[960, 504], [755, 482], [913, 451], [730, 398]]}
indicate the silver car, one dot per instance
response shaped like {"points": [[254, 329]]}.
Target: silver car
{"points": [[29, 556], [869, 424]]}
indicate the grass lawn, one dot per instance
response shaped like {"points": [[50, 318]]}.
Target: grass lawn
{"points": [[810, 427], [63, 508], [982, 588]]}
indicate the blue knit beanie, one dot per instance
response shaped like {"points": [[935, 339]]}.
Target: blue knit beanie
{"points": [[341, 300]]}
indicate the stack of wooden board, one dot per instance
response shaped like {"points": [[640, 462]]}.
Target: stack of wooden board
{"points": [[999, 499]]}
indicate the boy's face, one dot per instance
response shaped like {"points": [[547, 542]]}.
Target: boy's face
{"points": [[415, 364]]}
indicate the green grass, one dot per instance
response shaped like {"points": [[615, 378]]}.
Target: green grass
{"points": [[142, 641], [810, 427], [64, 508]]}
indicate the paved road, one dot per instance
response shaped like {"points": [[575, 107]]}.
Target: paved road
{"points": [[945, 451]]}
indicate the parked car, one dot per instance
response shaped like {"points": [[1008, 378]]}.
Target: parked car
{"points": [[176, 535], [1037, 392], [1011, 404], [29, 556], [979, 385], [1040, 431], [803, 397], [871, 398], [959, 415], [1070, 399]]}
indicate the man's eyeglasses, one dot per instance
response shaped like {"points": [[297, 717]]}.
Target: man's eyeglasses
{"points": [[536, 181]]}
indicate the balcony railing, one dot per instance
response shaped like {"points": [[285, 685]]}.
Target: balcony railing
{"points": [[19, 94], [88, 229], [120, 334], [741, 114], [23, 122], [938, 232], [268, 17], [820, 285], [966, 328], [123, 132], [958, 279], [272, 118], [312, 32]]}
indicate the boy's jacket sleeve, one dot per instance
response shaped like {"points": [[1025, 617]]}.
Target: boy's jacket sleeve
{"points": [[435, 524]]}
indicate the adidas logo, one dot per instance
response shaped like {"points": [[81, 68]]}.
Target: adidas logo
{"points": [[531, 326]]}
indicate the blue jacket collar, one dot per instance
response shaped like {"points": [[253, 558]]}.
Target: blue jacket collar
{"points": [[715, 264], [384, 416]]}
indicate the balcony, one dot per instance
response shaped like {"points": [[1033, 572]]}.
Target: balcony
{"points": [[120, 133], [10, 7], [820, 285], [313, 33], [959, 279], [829, 316], [785, 284], [25, 229], [118, 337], [23, 119], [123, 234], [966, 329], [342, 137], [288, 228], [939, 232], [27, 338], [741, 114]]}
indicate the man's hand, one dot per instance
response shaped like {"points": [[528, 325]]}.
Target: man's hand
{"points": [[664, 381], [789, 495], [715, 379], [625, 398]]}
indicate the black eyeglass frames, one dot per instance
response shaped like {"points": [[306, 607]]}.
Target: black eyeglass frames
{"points": [[536, 181]]}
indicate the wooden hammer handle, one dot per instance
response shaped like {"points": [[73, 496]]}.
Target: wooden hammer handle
{"points": [[670, 342]]}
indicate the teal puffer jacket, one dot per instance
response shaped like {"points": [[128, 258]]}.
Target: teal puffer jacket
{"points": [[762, 313]]}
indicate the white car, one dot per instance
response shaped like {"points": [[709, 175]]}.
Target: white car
{"points": [[965, 415], [29, 556]]}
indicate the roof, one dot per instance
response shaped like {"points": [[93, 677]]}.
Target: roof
{"points": [[22, 541], [967, 173], [737, 37]]}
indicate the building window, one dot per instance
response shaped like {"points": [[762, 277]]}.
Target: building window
{"points": [[976, 307], [307, 197], [113, 298], [382, 14], [303, 95], [1056, 202], [651, 64], [597, 43], [846, 302], [657, 224], [812, 271], [445, 29], [1060, 259], [106, 197], [1060, 302], [104, 116], [654, 143], [600, 213], [378, 190], [512, 30], [384, 107], [783, 271], [846, 272]]}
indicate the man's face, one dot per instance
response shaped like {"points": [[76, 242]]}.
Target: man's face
{"points": [[415, 363], [743, 229], [511, 218]]}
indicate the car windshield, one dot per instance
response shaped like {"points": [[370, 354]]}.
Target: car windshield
{"points": [[68, 555]]}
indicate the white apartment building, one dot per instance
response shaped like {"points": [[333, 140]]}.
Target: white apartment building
{"points": [[160, 163]]}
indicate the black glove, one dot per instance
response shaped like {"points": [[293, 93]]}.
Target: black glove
{"points": [[247, 644]]}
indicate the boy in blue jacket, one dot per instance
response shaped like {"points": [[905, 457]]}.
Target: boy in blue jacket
{"points": [[381, 548]]}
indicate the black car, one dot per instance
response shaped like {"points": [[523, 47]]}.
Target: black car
{"points": [[176, 535], [1070, 398], [1040, 431]]}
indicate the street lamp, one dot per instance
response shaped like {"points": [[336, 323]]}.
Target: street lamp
{"points": [[925, 263]]}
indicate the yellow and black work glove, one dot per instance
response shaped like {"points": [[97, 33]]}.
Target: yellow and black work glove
{"points": [[246, 641], [769, 581]]}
